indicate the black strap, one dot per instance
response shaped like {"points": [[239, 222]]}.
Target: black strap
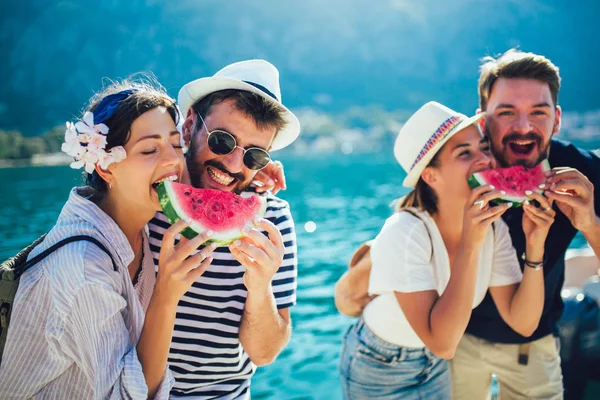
{"points": [[57, 246]]}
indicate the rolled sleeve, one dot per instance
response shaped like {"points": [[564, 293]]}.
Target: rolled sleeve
{"points": [[165, 386]]}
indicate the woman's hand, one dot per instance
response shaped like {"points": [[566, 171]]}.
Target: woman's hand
{"points": [[479, 215], [176, 269], [270, 178], [537, 220]]}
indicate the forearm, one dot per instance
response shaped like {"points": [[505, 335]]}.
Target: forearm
{"points": [[527, 303], [351, 292], [263, 332], [451, 312], [155, 340], [592, 235]]}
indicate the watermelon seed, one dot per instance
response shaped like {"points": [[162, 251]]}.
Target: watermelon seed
{"points": [[199, 201], [194, 207]]}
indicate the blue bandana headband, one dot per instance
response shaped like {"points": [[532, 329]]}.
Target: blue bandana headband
{"points": [[108, 105]]}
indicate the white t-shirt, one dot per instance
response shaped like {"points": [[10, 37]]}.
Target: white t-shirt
{"points": [[402, 261]]}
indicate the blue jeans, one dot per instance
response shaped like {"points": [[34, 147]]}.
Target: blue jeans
{"points": [[372, 368]]}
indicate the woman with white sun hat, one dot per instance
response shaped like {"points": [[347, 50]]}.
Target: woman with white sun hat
{"points": [[435, 259]]}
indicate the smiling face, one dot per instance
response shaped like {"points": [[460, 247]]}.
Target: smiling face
{"points": [[464, 154], [521, 119], [154, 153], [224, 172]]}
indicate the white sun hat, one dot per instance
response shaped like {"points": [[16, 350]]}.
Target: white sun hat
{"points": [[256, 76], [424, 134]]}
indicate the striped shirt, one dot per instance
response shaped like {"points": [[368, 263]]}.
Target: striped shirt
{"points": [[206, 356], [76, 321]]}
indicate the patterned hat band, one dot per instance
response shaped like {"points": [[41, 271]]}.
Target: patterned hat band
{"points": [[438, 136]]}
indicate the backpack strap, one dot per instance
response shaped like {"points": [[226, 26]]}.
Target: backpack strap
{"points": [[20, 270], [414, 214]]}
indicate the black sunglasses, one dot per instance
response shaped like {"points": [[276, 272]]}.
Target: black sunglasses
{"points": [[222, 142]]}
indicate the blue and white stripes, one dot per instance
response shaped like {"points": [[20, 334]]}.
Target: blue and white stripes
{"points": [[206, 356]]}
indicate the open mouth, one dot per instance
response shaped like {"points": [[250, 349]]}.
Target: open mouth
{"points": [[219, 177], [171, 178], [522, 148]]}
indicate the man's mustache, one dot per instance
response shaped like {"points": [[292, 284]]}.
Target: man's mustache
{"points": [[519, 136], [220, 166]]}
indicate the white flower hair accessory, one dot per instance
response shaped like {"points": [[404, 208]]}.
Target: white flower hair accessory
{"points": [[86, 142]]}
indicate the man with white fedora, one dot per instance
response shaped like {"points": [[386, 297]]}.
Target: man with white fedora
{"points": [[237, 315]]}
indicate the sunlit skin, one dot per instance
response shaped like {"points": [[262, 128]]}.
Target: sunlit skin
{"points": [[521, 120], [153, 152], [464, 154], [203, 163]]}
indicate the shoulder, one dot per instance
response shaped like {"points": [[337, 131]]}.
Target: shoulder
{"points": [[405, 222], [402, 228], [278, 212], [566, 154], [71, 267], [276, 205]]}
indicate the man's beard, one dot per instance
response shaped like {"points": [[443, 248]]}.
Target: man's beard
{"points": [[544, 152], [195, 171]]}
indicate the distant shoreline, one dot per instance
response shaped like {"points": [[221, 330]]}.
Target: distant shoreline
{"points": [[38, 160]]}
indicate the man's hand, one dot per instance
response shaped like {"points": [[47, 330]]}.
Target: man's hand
{"points": [[574, 196], [270, 178], [261, 256]]}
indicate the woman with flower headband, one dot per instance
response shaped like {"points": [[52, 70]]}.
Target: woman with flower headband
{"points": [[435, 259], [92, 320]]}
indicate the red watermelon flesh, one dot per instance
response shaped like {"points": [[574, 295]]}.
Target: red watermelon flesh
{"points": [[224, 213], [513, 180]]}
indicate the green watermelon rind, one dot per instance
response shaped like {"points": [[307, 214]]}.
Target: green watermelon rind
{"points": [[475, 181], [174, 215]]}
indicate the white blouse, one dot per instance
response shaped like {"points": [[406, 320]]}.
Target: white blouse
{"points": [[405, 259], [76, 321]]}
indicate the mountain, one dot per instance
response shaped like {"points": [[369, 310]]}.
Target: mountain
{"points": [[332, 54]]}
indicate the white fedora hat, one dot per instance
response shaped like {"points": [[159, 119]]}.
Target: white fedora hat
{"points": [[256, 76], [424, 134]]}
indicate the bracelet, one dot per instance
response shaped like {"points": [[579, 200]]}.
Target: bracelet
{"points": [[531, 264]]}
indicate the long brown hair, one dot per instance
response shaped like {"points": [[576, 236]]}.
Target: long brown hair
{"points": [[423, 196]]}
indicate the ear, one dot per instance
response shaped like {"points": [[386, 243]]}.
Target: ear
{"points": [[188, 127], [557, 120], [429, 176], [106, 174]]}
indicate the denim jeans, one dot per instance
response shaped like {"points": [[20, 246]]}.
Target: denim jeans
{"points": [[372, 368]]}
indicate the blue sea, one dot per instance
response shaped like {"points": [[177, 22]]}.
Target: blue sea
{"points": [[337, 202]]}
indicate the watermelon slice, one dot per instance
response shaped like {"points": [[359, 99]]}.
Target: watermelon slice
{"points": [[224, 213], [513, 180]]}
